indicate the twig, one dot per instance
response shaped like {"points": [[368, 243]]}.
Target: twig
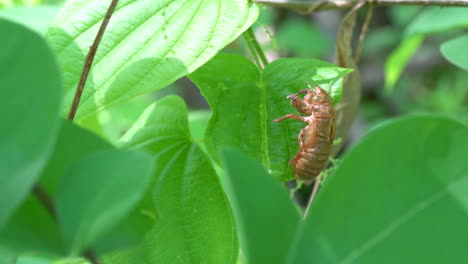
{"points": [[362, 35], [313, 6], [255, 49], [90, 255], [43, 197], [312, 195], [89, 60]]}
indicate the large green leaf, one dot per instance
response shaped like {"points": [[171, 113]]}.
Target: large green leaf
{"points": [[147, 46], [265, 215], [245, 102], [454, 51], [32, 228], [30, 105], [193, 218], [73, 143], [98, 191], [400, 196]]}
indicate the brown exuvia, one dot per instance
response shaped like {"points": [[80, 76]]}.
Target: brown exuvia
{"points": [[316, 139]]}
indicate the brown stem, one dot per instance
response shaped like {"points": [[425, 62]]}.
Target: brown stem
{"points": [[47, 201], [362, 36], [312, 195], [313, 6], [42, 195], [90, 255], [89, 60]]}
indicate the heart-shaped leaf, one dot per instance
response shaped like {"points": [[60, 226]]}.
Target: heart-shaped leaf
{"points": [[193, 219], [245, 102]]}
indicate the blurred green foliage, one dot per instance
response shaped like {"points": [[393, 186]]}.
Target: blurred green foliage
{"points": [[413, 61]]}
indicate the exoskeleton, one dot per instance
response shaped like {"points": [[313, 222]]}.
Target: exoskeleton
{"points": [[316, 139]]}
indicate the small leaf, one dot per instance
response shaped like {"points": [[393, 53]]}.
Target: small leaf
{"points": [[438, 19], [454, 51], [398, 60], [193, 221], [145, 47], [397, 197], [245, 102], [98, 191], [30, 105], [265, 216]]}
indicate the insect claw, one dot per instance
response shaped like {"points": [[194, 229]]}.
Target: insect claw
{"points": [[303, 91]]}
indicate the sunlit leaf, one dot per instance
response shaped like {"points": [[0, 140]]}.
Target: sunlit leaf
{"points": [[147, 45], [398, 60], [191, 212]]}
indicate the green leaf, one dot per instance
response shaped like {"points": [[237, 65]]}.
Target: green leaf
{"points": [[454, 51], [198, 122], [303, 39], [397, 197], [30, 103], [36, 18], [32, 229], [73, 142], [34, 259], [398, 60], [265, 216], [193, 218], [98, 191], [245, 102], [436, 20], [6, 256], [432, 20], [147, 45]]}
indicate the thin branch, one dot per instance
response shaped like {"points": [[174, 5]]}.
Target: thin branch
{"points": [[255, 49], [46, 200], [90, 255], [312, 195], [362, 36], [89, 60], [313, 6]]}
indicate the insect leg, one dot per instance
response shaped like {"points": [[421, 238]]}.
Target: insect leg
{"points": [[297, 102], [301, 143], [290, 116]]}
